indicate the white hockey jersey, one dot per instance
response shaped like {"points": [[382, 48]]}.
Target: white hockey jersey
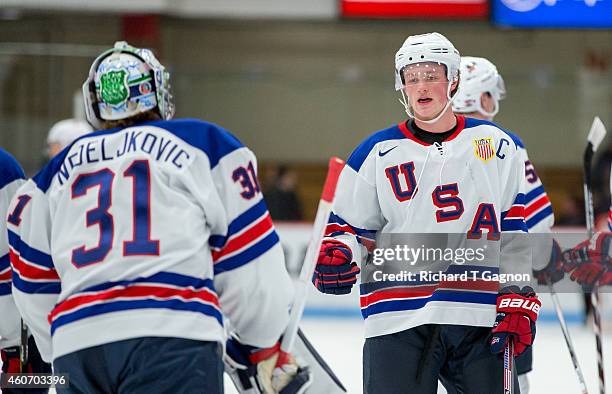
{"points": [[11, 178], [473, 183], [158, 229]]}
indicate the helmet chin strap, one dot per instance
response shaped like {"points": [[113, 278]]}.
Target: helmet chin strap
{"points": [[410, 113]]}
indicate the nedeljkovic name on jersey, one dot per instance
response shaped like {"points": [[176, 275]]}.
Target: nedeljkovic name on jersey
{"points": [[161, 148]]}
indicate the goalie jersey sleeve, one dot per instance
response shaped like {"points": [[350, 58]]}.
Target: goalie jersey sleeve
{"points": [[158, 229], [11, 178]]}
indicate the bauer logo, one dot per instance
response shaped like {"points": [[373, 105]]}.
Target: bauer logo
{"points": [[483, 148], [518, 303]]}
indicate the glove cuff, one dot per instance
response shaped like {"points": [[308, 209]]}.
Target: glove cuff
{"points": [[516, 303]]}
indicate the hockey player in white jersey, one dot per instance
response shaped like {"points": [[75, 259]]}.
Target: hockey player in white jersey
{"points": [[136, 242], [437, 173], [482, 88], [11, 178], [14, 339]]}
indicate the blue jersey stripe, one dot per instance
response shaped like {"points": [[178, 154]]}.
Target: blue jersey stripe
{"points": [[238, 224], [334, 218], [116, 306], [535, 193], [537, 218], [36, 287], [473, 122], [5, 289], [358, 156], [513, 225], [5, 262], [248, 255], [169, 278], [29, 253], [438, 295]]}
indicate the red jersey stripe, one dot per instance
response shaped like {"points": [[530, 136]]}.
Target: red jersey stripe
{"points": [[242, 240], [137, 291], [28, 271]]}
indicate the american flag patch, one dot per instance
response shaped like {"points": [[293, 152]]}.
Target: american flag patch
{"points": [[483, 148]]}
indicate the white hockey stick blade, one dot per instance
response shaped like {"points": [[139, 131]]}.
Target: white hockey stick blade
{"points": [[597, 133]]}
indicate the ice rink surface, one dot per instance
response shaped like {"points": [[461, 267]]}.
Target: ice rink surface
{"points": [[340, 342]]}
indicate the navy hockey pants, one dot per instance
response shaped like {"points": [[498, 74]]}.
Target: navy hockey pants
{"points": [[148, 365], [413, 360], [524, 362]]}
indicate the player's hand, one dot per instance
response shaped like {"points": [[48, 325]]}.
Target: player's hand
{"points": [[335, 272], [593, 250], [34, 364], [554, 270], [261, 369], [517, 312], [590, 261]]}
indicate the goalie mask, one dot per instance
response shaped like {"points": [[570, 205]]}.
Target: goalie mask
{"points": [[426, 48], [126, 81], [478, 76]]}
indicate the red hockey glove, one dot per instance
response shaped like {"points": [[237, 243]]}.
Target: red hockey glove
{"points": [[590, 261], [34, 364], [335, 273], [554, 271], [517, 312], [594, 250], [10, 359]]}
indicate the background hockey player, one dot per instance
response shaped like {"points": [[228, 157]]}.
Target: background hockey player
{"points": [[11, 346], [435, 173], [62, 133], [482, 87], [116, 242]]}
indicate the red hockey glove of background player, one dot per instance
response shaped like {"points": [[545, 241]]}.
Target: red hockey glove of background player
{"points": [[517, 312], [335, 273], [590, 262]]}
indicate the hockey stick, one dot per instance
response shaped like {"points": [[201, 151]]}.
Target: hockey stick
{"points": [[323, 211], [568, 339], [23, 347], [509, 368], [596, 135]]}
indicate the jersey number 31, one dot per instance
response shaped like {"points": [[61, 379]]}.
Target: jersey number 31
{"points": [[141, 243]]}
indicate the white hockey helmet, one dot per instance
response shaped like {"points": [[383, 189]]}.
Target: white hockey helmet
{"points": [[429, 47], [67, 130], [478, 76], [426, 48], [125, 81]]}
